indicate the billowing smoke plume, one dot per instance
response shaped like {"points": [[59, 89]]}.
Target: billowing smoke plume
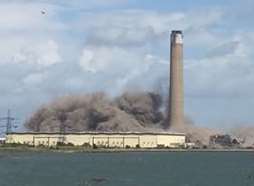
{"points": [[97, 112], [196, 134], [245, 134], [139, 111]]}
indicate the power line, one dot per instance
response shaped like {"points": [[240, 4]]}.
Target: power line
{"points": [[9, 122]]}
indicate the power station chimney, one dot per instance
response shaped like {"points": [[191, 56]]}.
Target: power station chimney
{"points": [[176, 98]]}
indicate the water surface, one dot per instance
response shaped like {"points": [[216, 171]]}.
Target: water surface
{"points": [[127, 169]]}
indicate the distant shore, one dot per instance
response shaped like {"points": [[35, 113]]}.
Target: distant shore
{"points": [[100, 150]]}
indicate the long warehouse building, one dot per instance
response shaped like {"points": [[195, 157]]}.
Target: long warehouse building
{"points": [[101, 139]]}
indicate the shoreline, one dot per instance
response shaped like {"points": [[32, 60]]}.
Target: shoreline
{"points": [[80, 150]]}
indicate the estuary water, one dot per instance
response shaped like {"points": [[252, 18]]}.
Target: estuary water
{"points": [[127, 169]]}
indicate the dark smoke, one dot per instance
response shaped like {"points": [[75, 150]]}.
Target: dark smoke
{"points": [[97, 112], [145, 108], [132, 111]]}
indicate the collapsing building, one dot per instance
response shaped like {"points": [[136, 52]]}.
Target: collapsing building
{"points": [[223, 140]]}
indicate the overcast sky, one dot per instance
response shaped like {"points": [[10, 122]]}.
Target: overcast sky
{"points": [[50, 48]]}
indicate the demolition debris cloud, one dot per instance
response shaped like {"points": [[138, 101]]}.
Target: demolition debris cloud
{"points": [[97, 112], [131, 111]]}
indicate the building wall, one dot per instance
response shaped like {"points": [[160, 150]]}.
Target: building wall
{"points": [[23, 139], [100, 140], [148, 141], [78, 140], [170, 140], [47, 140], [132, 141]]}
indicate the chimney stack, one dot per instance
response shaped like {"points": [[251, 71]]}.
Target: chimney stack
{"points": [[176, 95]]}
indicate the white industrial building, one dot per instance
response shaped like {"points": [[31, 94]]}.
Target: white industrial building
{"points": [[101, 139]]}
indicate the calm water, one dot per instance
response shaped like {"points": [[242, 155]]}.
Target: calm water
{"points": [[132, 169]]}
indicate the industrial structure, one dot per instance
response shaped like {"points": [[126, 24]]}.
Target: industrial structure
{"points": [[126, 139], [176, 95], [100, 139]]}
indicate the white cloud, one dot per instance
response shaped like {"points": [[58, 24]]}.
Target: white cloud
{"points": [[28, 17], [226, 72], [118, 66], [43, 54], [139, 27], [107, 59], [132, 27], [86, 61], [72, 4], [27, 35], [118, 49]]}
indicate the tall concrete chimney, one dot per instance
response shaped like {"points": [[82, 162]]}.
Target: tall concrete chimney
{"points": [[176, 98]]}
